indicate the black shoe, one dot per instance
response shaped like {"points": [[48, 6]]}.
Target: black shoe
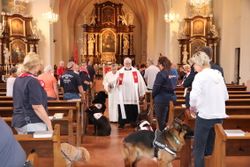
{"points": [[121, 126], [158, 140]]}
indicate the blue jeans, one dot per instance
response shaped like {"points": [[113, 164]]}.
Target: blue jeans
{"points": [[204, 137], [161, 112], [69, 96]]}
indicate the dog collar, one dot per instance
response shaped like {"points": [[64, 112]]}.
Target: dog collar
{"points": [[165, 147], [169, 150]]}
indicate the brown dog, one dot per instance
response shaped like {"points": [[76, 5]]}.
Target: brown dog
{"points": [[140, 144]]}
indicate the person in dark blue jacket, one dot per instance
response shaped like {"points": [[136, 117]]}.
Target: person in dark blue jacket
{"points": [[163, 90]]}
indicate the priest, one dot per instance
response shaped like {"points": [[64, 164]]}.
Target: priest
{"points": [[109, 83], [131, 87]]}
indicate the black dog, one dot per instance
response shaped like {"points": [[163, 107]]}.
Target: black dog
{"points": [[95, 113]]}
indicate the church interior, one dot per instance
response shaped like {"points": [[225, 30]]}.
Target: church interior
{"points": [[105, 32]]}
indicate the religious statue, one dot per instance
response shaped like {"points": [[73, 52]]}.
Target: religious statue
{"points": [[31, 50], [123, 19], [182, 31], [92, 20], [125, 45], [6, 56], [185, 55], [35, 31], [91, 43], [1, 29], [130, 18], [213, 31]]}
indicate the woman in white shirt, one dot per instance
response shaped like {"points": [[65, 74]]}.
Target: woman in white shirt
{"points": [[10, 82], [207, 99]]}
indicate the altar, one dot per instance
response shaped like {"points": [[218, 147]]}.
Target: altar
{"points": [[109, 35]]}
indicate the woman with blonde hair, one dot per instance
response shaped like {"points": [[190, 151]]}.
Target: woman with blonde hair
{"points": [[207, 100], [50, 83], [30, 99]]}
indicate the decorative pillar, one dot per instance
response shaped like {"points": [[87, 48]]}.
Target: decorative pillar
{"points": [[131, 49], [1, 60], [215, 53]]}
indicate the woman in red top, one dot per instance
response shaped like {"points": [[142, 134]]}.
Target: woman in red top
{"points": [[60, 69]]}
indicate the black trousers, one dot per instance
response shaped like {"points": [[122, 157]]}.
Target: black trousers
{"points": [[131, 111]]}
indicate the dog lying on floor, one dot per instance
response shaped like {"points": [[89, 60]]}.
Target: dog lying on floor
{"points": [[95, 114], [140, 144]]}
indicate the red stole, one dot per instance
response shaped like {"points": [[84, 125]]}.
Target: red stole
{"points": [[31, 75], [121, 76]]}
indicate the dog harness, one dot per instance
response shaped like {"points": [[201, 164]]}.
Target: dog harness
{"points": [[165, 147]]}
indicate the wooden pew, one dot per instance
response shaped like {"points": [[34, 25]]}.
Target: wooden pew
{"points": [[227, 146], [230, 102], [47, 149], [230, 87], [78, 114], [66, 123], [181, 92], [231, 96], [234, 121]]}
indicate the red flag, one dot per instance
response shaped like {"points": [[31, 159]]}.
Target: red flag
{"points": [[76, 59]]}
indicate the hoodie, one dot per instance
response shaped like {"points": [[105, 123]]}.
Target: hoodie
{"points": [[209, 93]]}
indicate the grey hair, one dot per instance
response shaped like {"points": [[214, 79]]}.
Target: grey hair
{"points": [[150, 61], [127, 60], [48, 68], [30, 62], [201, 58]]}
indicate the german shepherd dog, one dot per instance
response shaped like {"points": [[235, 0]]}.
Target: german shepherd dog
{"points": [[140, 144]]}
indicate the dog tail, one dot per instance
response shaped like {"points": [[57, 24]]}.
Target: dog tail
{"points": [[85, 154]]}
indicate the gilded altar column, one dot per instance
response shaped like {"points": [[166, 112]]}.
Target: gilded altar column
{"points": [[215, 53], [131, 47], [120, 44], [1, 61]]}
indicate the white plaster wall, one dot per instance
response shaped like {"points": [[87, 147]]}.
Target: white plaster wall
{"points": [[173, 51], [151, 31], [45, 46], [245, 41], [228, 17]]}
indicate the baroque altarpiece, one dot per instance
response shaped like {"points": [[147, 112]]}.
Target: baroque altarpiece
{"points": [[109, 35], [197, 31], [18, 37]]}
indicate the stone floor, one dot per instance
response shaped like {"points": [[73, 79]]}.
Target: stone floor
{"points": [[107, 151]]}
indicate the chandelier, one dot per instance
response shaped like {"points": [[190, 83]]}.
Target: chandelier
{"points": [[171, 17], [199, 3], [51, 16]]}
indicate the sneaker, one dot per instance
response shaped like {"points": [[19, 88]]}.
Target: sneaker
{"points": [[158, 140]]}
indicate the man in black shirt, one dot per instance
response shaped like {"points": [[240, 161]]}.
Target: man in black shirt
{"points": [[71, 83]]}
